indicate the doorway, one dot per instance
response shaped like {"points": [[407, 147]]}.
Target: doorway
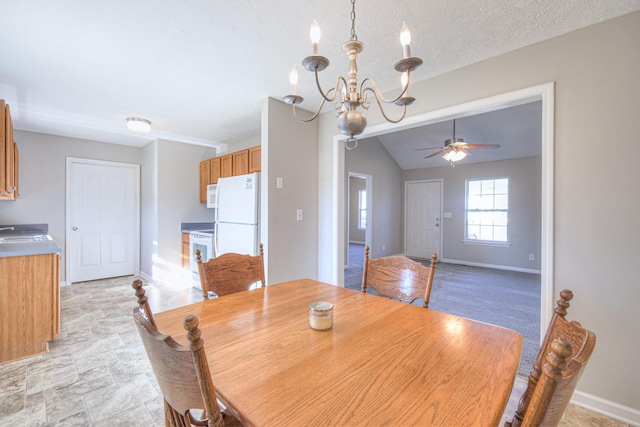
{"points": [[359, 222], [103, 219], [423, 213], [333, 259]]}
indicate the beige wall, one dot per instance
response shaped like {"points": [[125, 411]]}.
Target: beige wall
{"points": [[525, 209], [178, 201], [43, 179], [251, 141], [371, 158], [289, 150], [597, 197]]}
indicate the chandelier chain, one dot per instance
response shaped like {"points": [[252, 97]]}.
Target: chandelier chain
{"points": [[353, 20]]}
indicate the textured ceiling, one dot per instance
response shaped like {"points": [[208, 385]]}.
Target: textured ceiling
{"points": [[516, 129], [199, 69]]}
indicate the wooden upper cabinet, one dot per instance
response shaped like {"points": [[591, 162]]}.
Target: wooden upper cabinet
{"points": [[215, 170], [240, 162], [255, 154], [226, 166], [8, 156], [205, 172], [3, 148]]}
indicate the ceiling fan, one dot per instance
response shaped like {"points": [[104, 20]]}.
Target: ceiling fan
{"points": [[455, 148]]}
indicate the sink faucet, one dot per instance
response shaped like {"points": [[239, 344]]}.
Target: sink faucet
{"points": [[7, 228]]}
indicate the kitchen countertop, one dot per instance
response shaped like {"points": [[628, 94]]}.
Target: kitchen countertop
{"points": [[27, 248], [187, 227]]}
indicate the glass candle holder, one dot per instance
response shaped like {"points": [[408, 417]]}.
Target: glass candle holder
{"points": [[321, 315]]}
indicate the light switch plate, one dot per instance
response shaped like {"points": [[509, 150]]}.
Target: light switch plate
{"points": [[279, 183]]}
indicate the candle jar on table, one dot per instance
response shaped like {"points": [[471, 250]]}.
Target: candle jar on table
{"points": [[321, 315]]}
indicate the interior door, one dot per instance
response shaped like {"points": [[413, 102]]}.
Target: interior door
{"points": [[103, 220], [423, 231]]}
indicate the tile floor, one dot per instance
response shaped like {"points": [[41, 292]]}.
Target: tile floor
{"points": [[97, 374]]}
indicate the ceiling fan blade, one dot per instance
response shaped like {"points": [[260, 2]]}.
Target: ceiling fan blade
{"points": [[436, 153], [483, 146], [430, 148]]}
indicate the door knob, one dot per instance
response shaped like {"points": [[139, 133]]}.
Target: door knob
{"points": [[74, 228]]}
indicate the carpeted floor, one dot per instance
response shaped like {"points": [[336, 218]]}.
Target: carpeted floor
{"points": [[506, 298]]}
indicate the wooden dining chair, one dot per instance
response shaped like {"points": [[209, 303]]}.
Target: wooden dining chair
{"points": [[546, 398], [398, 277], [143, 302], [230, 273], [183, 376]]}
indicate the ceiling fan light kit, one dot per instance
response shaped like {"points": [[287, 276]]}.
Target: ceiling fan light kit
{"points": [[454, 156], [455, 149], [348, 94]]}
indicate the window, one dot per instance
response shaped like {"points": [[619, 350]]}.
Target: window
{"points": [[487, 210], [362, 209]]}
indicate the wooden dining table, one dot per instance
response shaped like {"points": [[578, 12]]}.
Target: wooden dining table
{"points": [[382, 363]]}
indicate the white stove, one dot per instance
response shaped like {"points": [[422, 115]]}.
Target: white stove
{"points": [[199, 240]]}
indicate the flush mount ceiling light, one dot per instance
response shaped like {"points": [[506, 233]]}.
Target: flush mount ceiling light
{"points": [[136, 124], [352, 122]]}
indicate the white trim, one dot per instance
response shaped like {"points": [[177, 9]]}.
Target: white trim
{"points": [[606, 407], [486, 243], [136, 207], [543, 92], [494, 266], [547, 208]]}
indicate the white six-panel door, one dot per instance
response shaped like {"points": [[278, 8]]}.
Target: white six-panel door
{"points": [[102, 220], [423, 225]]}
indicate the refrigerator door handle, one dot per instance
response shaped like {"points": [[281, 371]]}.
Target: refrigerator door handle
{"points": [[215, 240]]}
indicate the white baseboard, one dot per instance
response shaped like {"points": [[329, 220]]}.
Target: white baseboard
{"points": [[497, 267], [606, 407], [146, 278]]}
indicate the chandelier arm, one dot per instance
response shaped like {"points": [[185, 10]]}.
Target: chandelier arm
{"points": [[404, 108], [378, 94], [333, 89], [295, 114]]}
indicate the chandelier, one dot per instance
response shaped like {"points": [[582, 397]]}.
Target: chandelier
{"points": [[348, 95]]}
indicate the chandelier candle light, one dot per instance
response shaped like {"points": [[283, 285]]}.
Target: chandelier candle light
{"points": [[351, 121]]}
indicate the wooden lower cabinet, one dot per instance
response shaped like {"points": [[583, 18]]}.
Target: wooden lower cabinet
{"points": [[186, 256], [30, 304]]}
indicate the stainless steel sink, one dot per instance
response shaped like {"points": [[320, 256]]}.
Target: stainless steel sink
{"points": [[25, 239]]}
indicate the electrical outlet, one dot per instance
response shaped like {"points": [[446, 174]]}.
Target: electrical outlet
{"points": [[530, 257]]}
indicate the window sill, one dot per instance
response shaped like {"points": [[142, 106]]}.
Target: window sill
{"points": [[486, 243]]}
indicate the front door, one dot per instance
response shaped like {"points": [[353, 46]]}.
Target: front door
{"points": [[422, 218], [103, 219]]}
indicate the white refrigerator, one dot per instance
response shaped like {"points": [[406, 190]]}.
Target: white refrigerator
{"points": [[237, 216]]}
